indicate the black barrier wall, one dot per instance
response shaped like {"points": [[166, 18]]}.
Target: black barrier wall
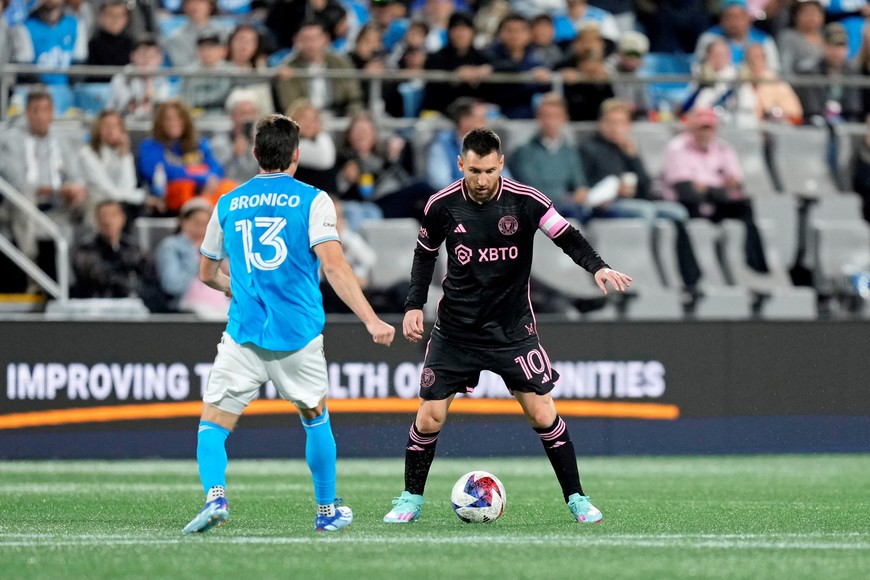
{"points": [[132, 389]]}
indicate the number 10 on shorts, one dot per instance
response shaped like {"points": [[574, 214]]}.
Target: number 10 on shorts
{"points": [[533, 364]]}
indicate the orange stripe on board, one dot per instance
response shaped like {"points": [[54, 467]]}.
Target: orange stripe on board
{"points": [[110, 413]]}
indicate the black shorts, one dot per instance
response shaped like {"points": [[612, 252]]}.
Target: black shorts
{"points": [[451, 368]]}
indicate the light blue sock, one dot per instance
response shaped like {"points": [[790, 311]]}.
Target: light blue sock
{"points": [[320, 454], [212, 455]]}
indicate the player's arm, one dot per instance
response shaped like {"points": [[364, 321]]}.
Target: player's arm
{"points": [[213, 255], [578, 248], [425, 255], [341, 277]]}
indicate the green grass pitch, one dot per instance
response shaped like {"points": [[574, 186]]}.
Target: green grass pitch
{"points": [[699, 517]]}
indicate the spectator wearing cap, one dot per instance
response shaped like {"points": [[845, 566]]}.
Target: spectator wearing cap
{"points": [[833, 101], [138, 95], [110, 44], [628, 59], [586, 78], [209, 92], [543, 43], [233, 149], [459, 55], [512, 53], [181, 45], [702, 171], [338, 95], [802, 44], [735, 26]]}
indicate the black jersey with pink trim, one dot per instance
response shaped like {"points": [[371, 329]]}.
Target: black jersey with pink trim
{"points": [[489, 259]]}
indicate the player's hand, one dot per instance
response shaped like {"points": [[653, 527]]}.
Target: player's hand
{"points": [[412, 325], [382, 333], [619, 280]]}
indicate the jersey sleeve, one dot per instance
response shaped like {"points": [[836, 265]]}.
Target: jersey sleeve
{"points": [[321, 221], [213, 243], [432, 231]]}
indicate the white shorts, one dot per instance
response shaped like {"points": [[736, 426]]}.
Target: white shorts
{"points": [[239, 370]]}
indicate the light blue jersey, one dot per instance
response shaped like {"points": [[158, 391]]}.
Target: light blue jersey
{"points": [[268, 228]]}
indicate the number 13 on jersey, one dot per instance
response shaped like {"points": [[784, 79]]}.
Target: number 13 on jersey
{"points": [[272, 227]]}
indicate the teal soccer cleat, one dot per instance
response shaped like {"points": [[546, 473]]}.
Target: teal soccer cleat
{"points": [[406, 508], [583, 511], [215, 513]]}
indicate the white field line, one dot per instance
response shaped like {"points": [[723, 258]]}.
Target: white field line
{"points": [[688, 541], [119, 488]]}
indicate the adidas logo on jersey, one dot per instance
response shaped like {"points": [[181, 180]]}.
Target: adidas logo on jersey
{"points": [[460, 229]]}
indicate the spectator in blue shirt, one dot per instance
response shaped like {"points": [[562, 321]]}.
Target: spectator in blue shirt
{"points": [[50, 39], [735, 26]]}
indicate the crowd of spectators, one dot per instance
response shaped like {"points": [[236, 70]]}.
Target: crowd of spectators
{"points": [[743, 54]]}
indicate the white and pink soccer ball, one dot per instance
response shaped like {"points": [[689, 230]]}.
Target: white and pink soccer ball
{"points": [[478, 498]]}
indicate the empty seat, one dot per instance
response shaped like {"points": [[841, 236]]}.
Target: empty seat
{"points": [[552, 267], [734, 255], [848, 136], [394, 241], [151, 231], [841, 248], [724, 303], [790, 304], [655, 305], [626, 244], [780, 211], [749, 145], [652, 141], [665, 250], [800, 157], [705, 237], [514, 133]]}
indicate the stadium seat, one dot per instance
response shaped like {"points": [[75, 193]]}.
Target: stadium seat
{"points": [[800, 159], [97, 308], [723, 303], [781, 213], [662, 304], [652, 140], [667, 64], [665, 252], [841, 249], [150, 231], [394, 241], [790, 304], [705, 237], [553, 268], [514, 133], [847, 135], [627, 244], [841, 207], [734, 256], [91, 98], [749, 145]]}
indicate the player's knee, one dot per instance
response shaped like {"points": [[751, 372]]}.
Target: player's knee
{"points": [[541, 418], [429, 424]]}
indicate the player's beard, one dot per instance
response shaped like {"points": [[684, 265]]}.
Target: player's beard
{"points": [[482, 196]]}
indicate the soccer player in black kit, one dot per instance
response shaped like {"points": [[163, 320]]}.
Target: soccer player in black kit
{"points": [[485, 319]]}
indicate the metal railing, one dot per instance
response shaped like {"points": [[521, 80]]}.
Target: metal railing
{"points": [[57, 289], [557, 80]]}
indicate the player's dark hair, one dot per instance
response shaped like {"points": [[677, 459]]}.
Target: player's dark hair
{"points": [[482, 141], [276, 140]]}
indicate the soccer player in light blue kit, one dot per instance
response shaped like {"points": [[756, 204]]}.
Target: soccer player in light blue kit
{"points": [[275, 232]]}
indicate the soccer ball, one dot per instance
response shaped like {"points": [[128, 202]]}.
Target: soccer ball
{"points": [[478, 497]]}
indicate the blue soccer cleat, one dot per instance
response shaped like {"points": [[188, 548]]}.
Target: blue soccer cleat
{"points": [[406, 509], [342, 519], [215, 513], [583, 511]]}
